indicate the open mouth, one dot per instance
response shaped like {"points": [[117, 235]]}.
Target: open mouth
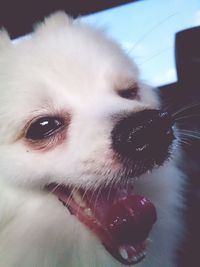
{"points": [[121, 219]]}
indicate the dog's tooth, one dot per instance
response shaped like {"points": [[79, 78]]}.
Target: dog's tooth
{"points": [[123, 253], [135, 258], [139, 256], [78, 199], [143, 254], [88, 212]]}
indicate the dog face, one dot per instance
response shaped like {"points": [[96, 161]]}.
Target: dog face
{"points": [[84, 88], [75, 114]]}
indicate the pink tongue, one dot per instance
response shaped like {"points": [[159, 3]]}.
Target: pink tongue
{"points": [[130, 219], [121, 219]]}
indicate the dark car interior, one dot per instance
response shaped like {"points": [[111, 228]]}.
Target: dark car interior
{"points": [[19, 16]]}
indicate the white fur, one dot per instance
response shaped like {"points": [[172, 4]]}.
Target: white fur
{"points": [[68, 67]]}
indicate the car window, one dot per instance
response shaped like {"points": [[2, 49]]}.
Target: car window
{"points": [[146, 30]]}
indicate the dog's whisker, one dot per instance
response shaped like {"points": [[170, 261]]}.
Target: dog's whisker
{"points": [[127, 184], [188, 135], [54, 189], [97, 196], [77, 191], [84, 194], [136, 169], [91, 198], [184, 141], [109, 191], [190, 131], [71, 195], [185, 132], [185, 108], [186, 117]]}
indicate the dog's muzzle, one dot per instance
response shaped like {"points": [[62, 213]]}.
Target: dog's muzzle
{"points": [[117, 215], [144, 136]]}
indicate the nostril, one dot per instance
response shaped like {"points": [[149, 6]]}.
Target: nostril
{"points": [[143, 134]]}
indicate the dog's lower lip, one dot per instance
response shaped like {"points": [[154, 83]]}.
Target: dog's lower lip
{"points": [[120, 219]]}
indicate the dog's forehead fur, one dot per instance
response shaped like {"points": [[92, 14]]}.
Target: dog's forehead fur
{"points": [[75, 53]]}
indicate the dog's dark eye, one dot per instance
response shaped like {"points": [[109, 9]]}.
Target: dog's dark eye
{"points": [[130, 93], [44, 127]]}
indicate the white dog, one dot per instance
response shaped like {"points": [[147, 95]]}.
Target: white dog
{"points": [[79, 128]]}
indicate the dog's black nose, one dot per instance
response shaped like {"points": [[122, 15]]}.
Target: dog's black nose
{"points": [[143, 135]]}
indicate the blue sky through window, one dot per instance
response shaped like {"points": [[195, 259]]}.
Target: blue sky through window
{"points": [[146, 29]]}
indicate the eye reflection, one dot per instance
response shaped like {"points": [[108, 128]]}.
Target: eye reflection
{"points": [[44, 128]]}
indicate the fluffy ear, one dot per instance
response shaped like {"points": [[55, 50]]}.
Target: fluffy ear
{"points": [[53, 22], [4, 39]]}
